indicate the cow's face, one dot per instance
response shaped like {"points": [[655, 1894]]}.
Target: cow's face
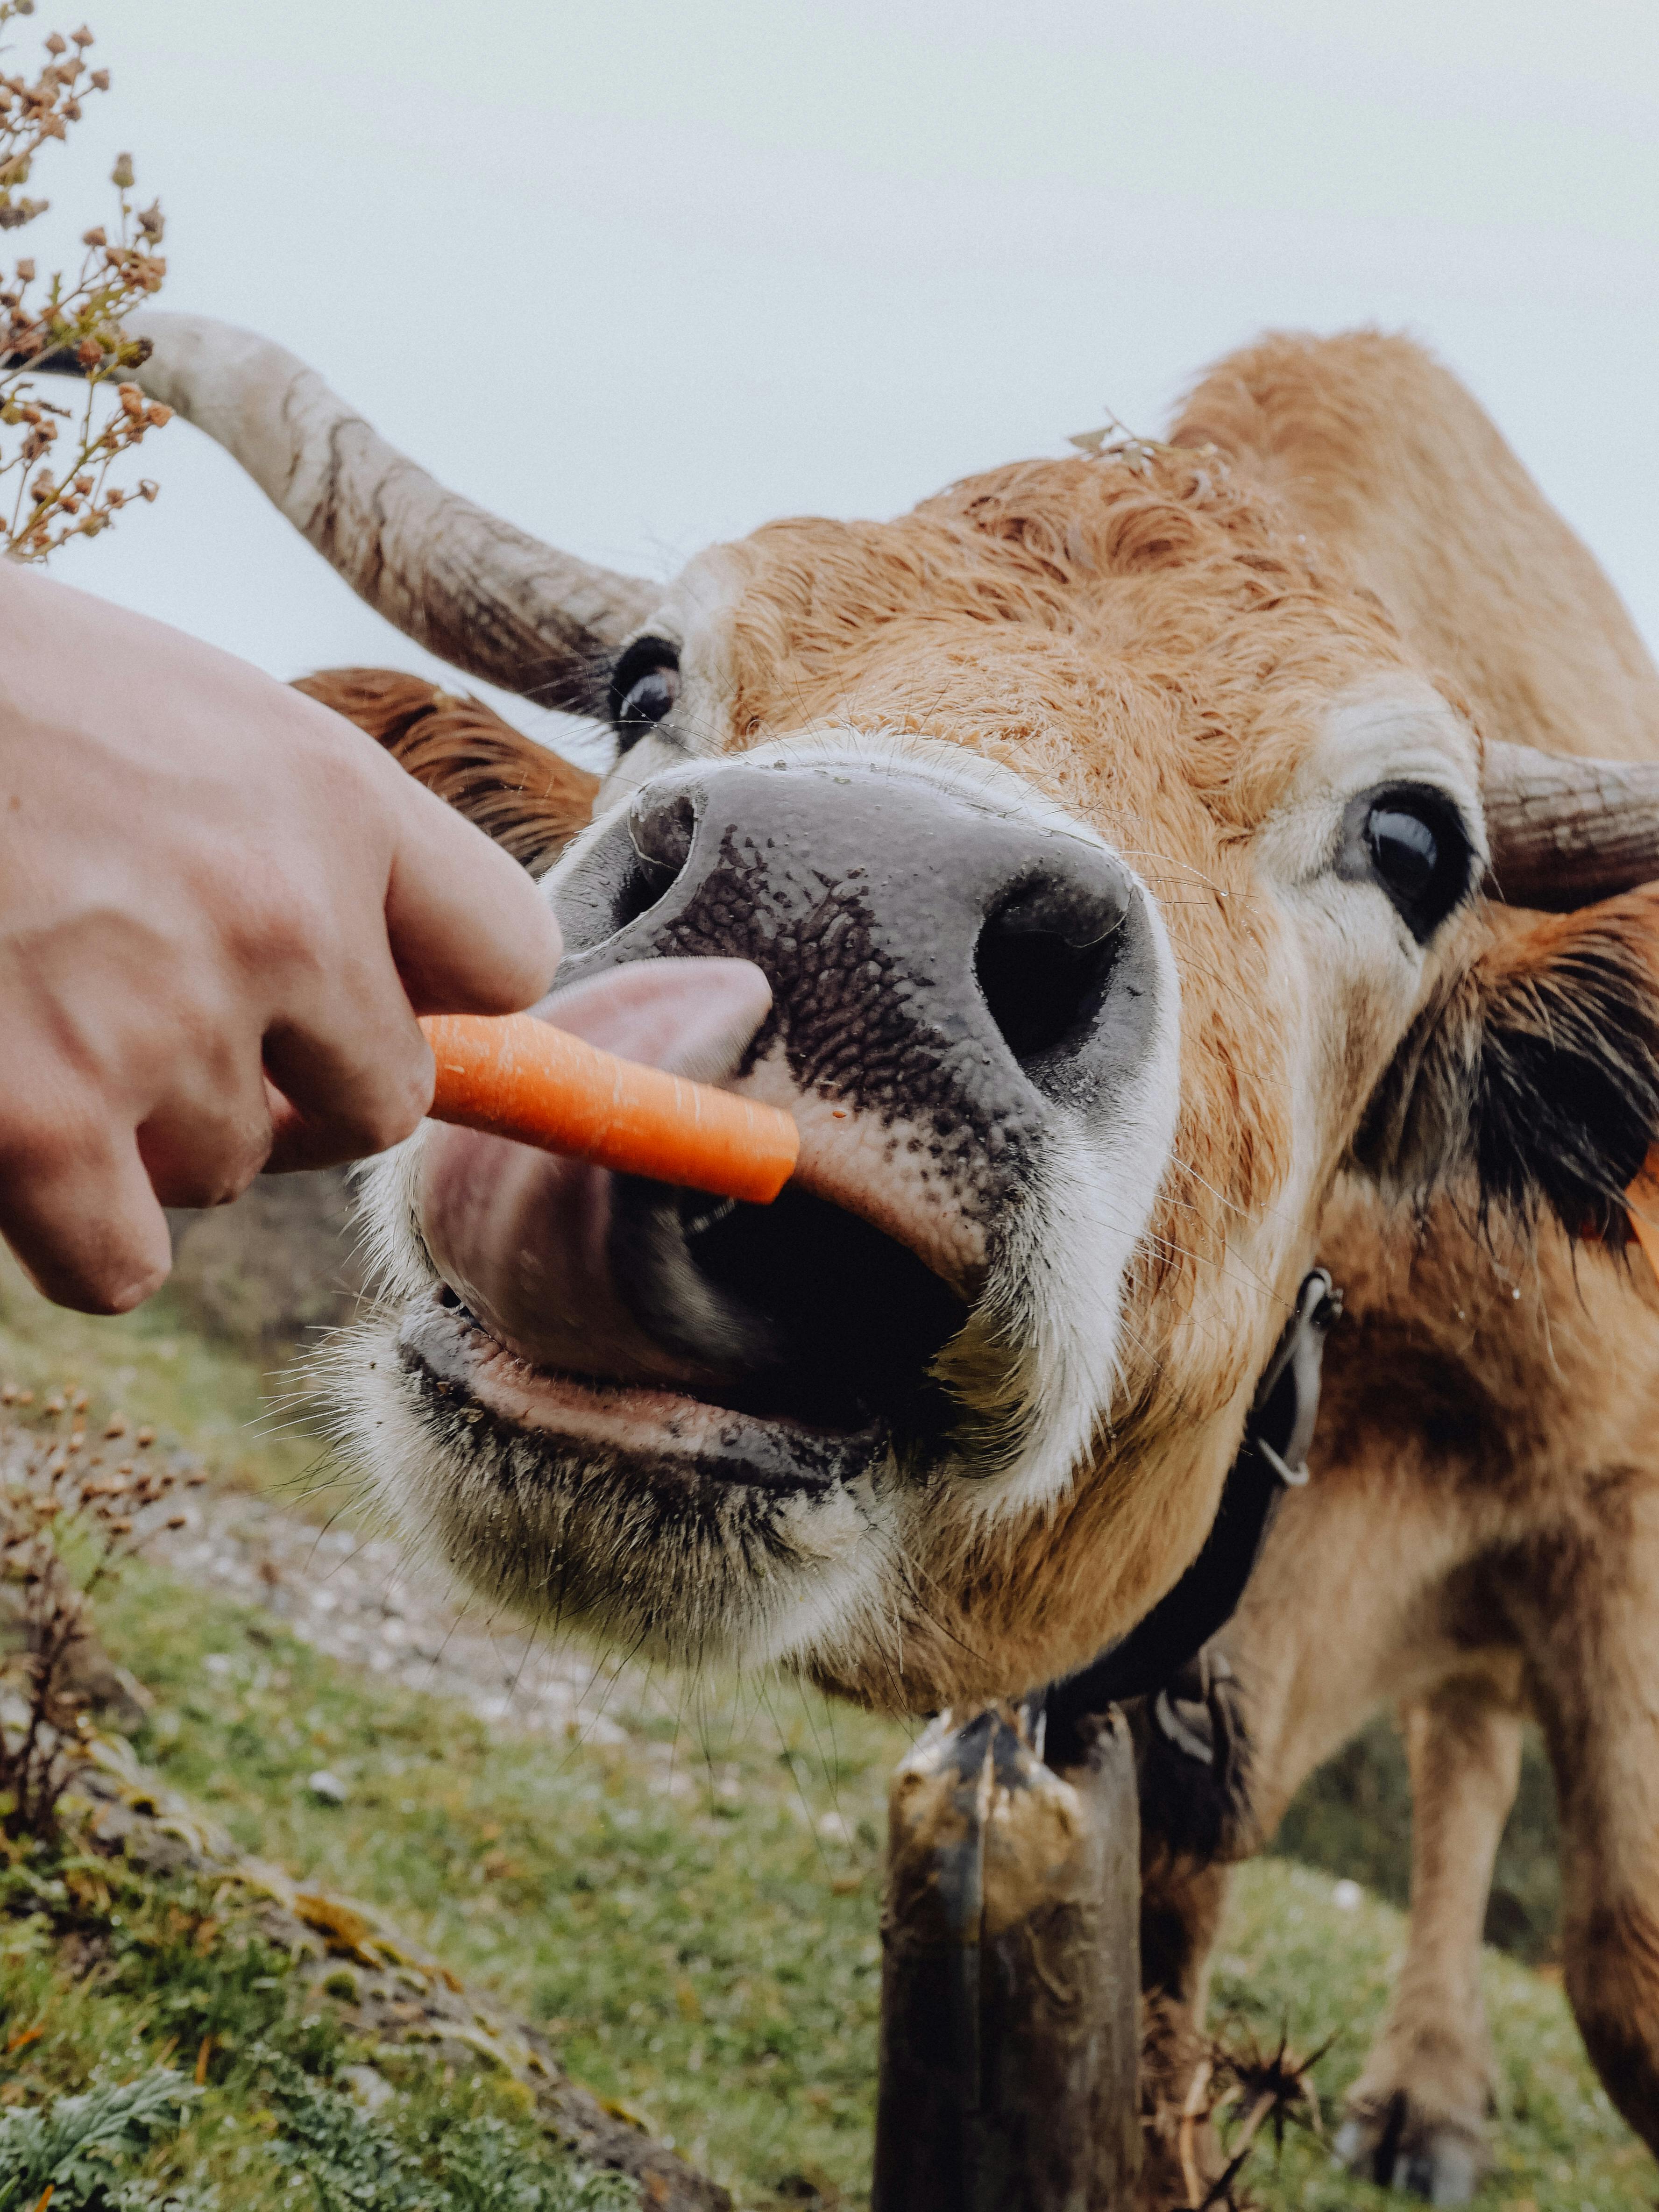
{"points": [[1072, 857], [1093, 870]]}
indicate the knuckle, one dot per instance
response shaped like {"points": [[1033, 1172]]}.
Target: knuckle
{"points": [[283, 931], [200, 1169], [379, 1111]]}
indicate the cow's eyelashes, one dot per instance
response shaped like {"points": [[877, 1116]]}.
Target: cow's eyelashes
{"points": [[644, 688], [1412, 840]]}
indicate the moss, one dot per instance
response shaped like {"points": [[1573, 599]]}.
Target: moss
{"points": [[160, 2052]]}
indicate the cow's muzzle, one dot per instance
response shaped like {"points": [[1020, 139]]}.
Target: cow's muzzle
{"points": [[945, 984]]}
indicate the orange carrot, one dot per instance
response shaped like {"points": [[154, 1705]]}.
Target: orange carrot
{"points": [[517, 1077]]}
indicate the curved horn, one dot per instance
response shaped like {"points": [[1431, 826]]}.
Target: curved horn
{"points": [[1566, 832], [474, 590]]}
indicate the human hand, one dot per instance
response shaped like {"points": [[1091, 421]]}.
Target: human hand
{"points": [[221, 907]]}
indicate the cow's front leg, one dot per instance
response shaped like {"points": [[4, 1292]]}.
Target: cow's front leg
{"points": [[1194, 1774], [1416, 2116], [1590, 1615]]}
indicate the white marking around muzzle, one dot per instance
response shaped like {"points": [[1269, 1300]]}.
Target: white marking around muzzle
{"points": [[1037, 1364]]}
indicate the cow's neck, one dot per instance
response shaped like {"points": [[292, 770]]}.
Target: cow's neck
{"points": [[1272, 1457]]}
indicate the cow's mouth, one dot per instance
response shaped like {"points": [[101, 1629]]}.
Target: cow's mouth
{"points": [[637, 1323], [843, 1325]]}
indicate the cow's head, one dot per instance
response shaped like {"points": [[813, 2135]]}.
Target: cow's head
{"points": [[1092, 867]]}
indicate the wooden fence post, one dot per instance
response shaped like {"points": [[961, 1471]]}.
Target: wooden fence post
{"points": [[1011, 1981]]}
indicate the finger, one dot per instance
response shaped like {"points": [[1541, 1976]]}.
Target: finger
{"points": [[470, 931], [205, 1150], [291, 1136], [300, 1142], [350, 1080], [77, 1209]]}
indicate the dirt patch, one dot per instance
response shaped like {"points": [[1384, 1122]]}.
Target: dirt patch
{"points": [[363, 1599]]}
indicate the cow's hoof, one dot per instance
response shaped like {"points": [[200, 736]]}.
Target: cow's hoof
{"points": [[1389, 2140]]}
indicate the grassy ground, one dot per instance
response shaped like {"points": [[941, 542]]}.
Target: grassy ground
{"points": [[714, 1959], [696, 1909], [112, 1984], [1292, 1957], [710, 1958], [191, 1391]]}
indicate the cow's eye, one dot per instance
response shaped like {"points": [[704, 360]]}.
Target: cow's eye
{"points": [[1412, 840], [644, 688], [1406, 852]]}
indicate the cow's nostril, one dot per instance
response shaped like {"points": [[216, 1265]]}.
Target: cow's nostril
{"points": [[663, 827], [661, 831], [1043, 963]]}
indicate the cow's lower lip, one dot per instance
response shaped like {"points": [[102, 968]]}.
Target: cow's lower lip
{"points": [[472, 1378]]}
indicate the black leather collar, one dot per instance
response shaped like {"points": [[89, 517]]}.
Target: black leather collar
{"points": [[1272, 1457]]}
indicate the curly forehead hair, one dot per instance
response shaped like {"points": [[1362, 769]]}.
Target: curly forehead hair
{"points": [[1150, 588]]}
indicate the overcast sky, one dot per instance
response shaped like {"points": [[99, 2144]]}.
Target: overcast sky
{"points": [[641, 275]]}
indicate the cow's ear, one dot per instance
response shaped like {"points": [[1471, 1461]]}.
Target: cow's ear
{"points": [[1536, 1077], [530, 800]]}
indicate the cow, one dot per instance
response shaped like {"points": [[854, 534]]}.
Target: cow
{"points": [[1099, 861], [1137, 872]]}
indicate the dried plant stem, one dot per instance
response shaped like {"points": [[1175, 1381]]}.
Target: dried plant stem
{"points": [[67, 1523], [69, 321]]}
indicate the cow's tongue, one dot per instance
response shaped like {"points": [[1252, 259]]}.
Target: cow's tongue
{"points": [[527, 1240]]}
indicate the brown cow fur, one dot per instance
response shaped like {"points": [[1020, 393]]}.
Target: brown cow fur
{"points": [[1480, 1539], [528, 799]]}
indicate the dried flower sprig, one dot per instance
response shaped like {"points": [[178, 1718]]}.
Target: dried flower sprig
{"points": [[74, 1507], [63, 494]]}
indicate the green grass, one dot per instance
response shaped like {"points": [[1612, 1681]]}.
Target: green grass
{"points": [[119, 1989], [712, 1962], [710, 1959], [694, 1911], [1290, 1957]]}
